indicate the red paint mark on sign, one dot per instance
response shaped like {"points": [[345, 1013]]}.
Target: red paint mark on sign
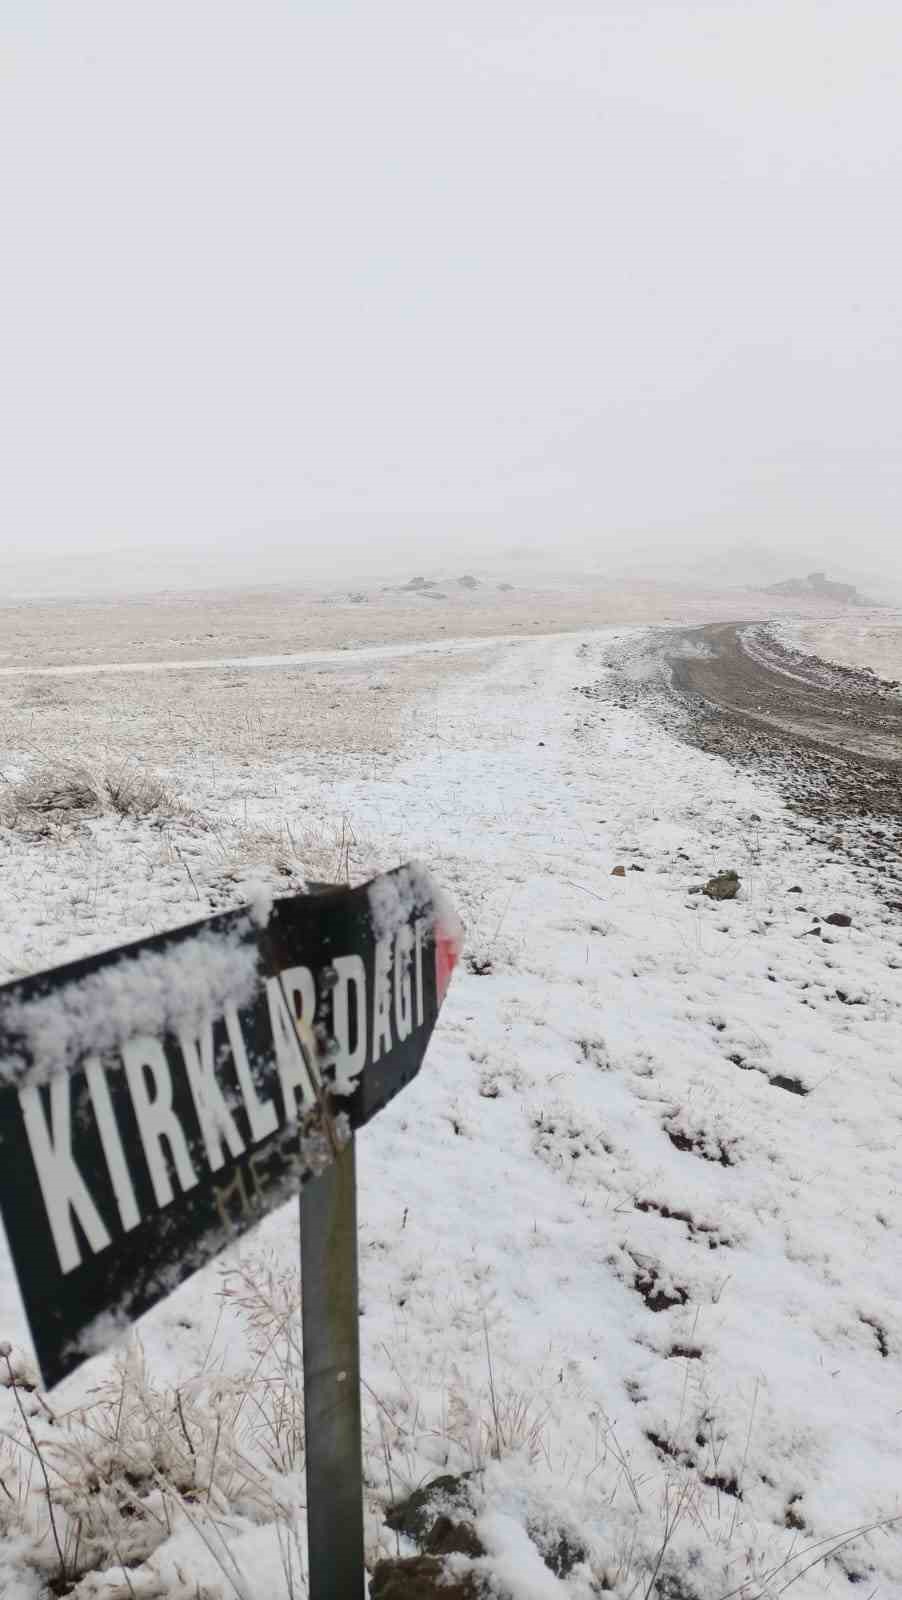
{"points": [[447, 952]]}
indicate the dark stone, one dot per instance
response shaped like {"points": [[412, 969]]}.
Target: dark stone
{"points": [[839, 919], [793, 1518], [420, 1578], [791, 1085], [723, 886], [416, 1515], [447, 1538]]}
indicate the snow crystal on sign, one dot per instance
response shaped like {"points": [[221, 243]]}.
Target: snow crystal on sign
{"points": [[260, 899], [396, 899], [155, 992]]}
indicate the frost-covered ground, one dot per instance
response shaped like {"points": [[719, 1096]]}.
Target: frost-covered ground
{"points": [[857, 639], [630, 1243]]}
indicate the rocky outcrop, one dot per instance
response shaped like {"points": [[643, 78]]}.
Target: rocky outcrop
{"points": [[817, 586]]}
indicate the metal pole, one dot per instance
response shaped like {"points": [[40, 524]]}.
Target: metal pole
{"points": [[332, 1382]]}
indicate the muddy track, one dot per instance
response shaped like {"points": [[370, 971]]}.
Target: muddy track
{"points": [[832, 736]]}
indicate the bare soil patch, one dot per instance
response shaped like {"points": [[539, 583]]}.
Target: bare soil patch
{"points": [[830, 737]]}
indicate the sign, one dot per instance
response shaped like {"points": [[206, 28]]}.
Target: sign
{"points": [[157, 1100]]}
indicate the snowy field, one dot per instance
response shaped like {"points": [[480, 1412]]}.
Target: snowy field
{"points": [[856, 639], [222, 623], [629, 1244]]}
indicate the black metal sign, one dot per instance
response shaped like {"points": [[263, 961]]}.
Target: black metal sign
{"points": [[157, 1100]]}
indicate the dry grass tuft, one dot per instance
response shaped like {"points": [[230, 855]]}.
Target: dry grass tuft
{"points": [[131, 792], [106, 1484], [317, 852], [55, 788], [60, 790]]}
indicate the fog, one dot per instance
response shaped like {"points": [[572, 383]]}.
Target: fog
{"points": [[326, 288]]}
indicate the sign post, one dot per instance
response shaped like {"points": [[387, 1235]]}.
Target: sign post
{"points": [[330, 1316], [158, 1100]]}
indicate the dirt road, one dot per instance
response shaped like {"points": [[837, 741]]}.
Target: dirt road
{"points": [[832, 736]]}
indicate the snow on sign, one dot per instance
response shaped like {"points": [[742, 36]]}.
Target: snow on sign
{"points": [[157, 1100]]}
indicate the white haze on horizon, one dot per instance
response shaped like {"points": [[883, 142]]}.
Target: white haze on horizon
{"points": [[342, 288], [92, 575]]}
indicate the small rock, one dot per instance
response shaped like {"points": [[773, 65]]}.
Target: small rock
{"points": [[419, 1578], [415, 1515], [634, 868], [618, 872], [447, 1538], [796, 889], [839, 919], [723, 886]]}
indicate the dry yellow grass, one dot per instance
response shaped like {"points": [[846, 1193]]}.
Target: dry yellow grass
{"points": [[189, 627]]}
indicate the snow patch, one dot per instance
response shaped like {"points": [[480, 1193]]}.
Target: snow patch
{"points": [[104, 1331], [155, 992], [260, 897], [513, 1561], [395, 901]]}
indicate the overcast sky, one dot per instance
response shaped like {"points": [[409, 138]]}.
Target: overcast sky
{"points": [[343, 274]]}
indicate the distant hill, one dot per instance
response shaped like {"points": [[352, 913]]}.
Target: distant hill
{"points": [[817, 586], [751, 565]]}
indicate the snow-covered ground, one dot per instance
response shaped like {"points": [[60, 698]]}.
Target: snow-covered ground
{"points": [[629, 1244], [857, 639]]}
